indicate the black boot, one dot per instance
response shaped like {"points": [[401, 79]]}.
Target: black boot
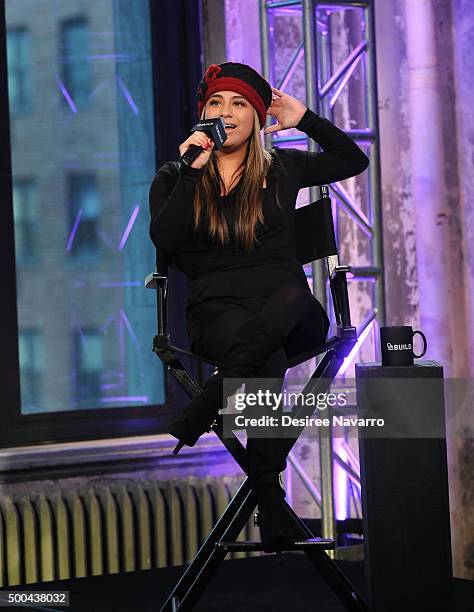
{"points": [[199, 415], [253, 345], [277, 530]]}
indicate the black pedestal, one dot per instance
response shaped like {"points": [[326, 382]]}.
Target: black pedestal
{"points": [[405, 503]]}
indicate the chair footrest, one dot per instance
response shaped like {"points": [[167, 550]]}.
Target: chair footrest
{"points": [[249, 546]]}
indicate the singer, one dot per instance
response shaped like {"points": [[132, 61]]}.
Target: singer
{"points": [[227, 218]]}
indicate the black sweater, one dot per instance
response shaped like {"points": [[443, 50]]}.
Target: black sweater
{"points": [[225, 272]]}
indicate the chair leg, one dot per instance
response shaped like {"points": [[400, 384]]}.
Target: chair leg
{"points": [[199, 573], [208, 558]]}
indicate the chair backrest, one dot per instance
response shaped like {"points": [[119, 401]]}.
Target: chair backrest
{"points": [[314, 231], [164, 261], [314, 234]]}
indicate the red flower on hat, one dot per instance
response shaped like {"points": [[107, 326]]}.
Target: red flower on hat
{"points": [[212, 73], [201, 91]]}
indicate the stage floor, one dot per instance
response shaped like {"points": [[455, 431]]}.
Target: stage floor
{"points": [[279, 583]]}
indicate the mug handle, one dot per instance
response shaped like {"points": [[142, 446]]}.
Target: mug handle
{"points": [[425, 345]]}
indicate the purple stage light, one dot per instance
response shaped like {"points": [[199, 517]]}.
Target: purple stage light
{"points": [[347, 361], [128, 326], [66, 95], [106, 386], [98, 89], [127, 95], [340, 484], [128, 229], [105, 238], [77, 325], [107, 323], [125, 398], [122, 284], [112, 374], [119, 57], [74, 230]]}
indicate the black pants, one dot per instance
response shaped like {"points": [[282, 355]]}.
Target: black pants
{"points": [[297, 318]]}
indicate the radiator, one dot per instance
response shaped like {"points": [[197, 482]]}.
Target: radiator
{"points": [[100, 530]]}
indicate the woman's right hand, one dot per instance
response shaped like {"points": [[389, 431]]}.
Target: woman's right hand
{"points": [[201, 139]]}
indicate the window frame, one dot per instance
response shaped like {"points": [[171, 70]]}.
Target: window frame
{"points": [[180, 79]]}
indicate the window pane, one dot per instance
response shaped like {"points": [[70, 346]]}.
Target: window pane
{"points": [[25, 208], [81, 176], [83, 217], [19, 69], [88, 368], [31, 352], [74, 57]]}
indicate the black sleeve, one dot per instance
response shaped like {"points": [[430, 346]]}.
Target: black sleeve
{"points": [[171, 202], [341, 158]]}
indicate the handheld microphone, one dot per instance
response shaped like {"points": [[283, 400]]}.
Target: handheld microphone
{"points": [[215, 129]]}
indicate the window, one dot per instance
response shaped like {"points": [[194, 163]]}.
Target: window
{"points": [[92, 175], [76, 66], [25, 215], [19, 69], [83, 206], [80, 182], [31, 354], [89, 363]]}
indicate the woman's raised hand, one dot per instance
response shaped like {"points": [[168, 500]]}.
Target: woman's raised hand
{"points": [[201, 139], [287, 111]]}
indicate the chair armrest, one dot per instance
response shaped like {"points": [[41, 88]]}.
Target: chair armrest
{"points": [[152, 279], [341, 270], [340, 297], [159, 281]]}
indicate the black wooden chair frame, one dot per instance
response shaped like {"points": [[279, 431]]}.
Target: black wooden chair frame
{"points": [[316, 240]]}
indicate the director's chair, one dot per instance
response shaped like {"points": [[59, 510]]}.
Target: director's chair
{"points": [[315, 239]]}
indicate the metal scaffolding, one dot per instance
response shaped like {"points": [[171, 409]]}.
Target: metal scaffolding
{"points": [[336, 57]]}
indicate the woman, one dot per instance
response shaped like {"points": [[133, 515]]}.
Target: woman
{"points": [[228, 221]]}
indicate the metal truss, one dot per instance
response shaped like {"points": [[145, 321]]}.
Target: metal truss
{"points": [[326, 81]]}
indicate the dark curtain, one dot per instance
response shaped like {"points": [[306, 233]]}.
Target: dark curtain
{"points": [[178, 70]]}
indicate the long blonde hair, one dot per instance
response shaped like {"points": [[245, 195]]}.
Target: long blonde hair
{"points": [[248, 204]]}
